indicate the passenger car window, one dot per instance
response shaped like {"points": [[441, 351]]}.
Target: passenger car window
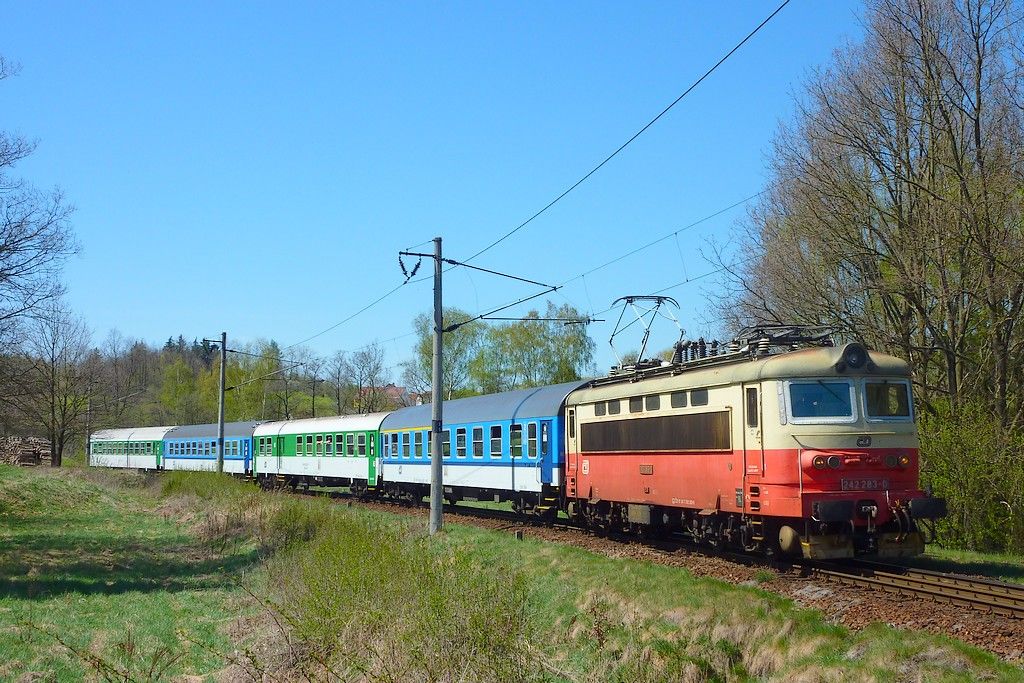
{"points": [[495, 441], [515, 439], [478, 442], [460, 442]]}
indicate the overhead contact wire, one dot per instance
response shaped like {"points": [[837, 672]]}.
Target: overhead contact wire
{"points": [[635, 135]]}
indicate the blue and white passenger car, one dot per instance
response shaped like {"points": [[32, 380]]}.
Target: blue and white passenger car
{"points": [[194, 447], [499, 447]]}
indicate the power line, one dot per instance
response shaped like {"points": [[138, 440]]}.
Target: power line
{"points": [[339, 324], [665, 237], [574, 185], [631, 139]]}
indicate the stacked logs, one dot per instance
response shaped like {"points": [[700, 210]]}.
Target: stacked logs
{"points": [[24, 450]]}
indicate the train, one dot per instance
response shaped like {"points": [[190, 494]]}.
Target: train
{"points": [[776, 443]]}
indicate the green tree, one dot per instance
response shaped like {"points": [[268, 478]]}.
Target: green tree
{"points": [[460, 348]]}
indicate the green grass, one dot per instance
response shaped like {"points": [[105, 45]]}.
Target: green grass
{"points": [[95, 579], [1001, 566], [106, 572], [624, 620]]}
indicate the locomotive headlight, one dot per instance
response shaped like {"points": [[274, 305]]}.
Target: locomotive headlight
{"points": [[834, 462], [904, 460], [819, 462], [891, 460], [855, 355]]}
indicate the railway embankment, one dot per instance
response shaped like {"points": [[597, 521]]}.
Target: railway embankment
{"points": [[192, 575]]}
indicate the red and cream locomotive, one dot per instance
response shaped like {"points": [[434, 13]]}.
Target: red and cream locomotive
{"points": [[809, 451]]}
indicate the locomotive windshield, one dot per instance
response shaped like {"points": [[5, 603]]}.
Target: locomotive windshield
{"points": [[819, 398], [887, 400]]}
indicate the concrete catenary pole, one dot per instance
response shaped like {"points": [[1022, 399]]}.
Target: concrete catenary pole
{"points": [[436, 482], [220, 404]]}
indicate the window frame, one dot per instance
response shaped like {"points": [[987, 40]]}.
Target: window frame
{"points": [[477, 442], [842, 419], [515, 441], [752, 408], [461, 442], [881, 418], [500, 439]]}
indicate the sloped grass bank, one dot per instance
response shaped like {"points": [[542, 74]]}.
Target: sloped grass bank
{"points": [[363, 595], [96, 582], [620, 619], [117, 577]]}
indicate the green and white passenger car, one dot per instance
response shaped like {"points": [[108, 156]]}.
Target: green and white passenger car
{"points": [[338, 451], [133, 448]]}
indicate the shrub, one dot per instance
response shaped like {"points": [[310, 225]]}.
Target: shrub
{"points": [[369, 600]]}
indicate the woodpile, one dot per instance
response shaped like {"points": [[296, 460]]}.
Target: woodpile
{"points": [[24, 450]]}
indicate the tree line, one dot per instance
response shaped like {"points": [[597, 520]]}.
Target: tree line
{"points": [[58, 384], [893, 215]]}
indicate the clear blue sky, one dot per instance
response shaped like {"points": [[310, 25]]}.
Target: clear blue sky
{"points": [[256, 168]]}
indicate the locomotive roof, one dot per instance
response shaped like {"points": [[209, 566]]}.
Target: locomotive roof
{"points": [[518, 404], [811, 362], [335, 423], [210, 430], [131, 434]]}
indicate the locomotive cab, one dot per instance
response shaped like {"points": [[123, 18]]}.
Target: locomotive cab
{"points": [[856, 466]]}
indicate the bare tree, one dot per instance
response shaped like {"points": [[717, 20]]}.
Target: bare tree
{"points": [[368, 374], [338, 375], [35, 235], [54, 380]]}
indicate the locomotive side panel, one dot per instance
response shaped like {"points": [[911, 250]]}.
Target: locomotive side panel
{"points": [[658, 448]]}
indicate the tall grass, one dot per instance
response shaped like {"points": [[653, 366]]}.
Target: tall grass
{"points": [[368, 600]]}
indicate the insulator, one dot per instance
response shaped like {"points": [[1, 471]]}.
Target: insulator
{"points": [[677, 353], [714, 347], [763, 345], [734, 346], [702, 348]]}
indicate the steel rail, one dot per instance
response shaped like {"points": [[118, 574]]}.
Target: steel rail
{"points": [[976, 593]]}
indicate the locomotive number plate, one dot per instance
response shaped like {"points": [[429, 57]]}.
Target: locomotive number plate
{"points": [[865, 484]]}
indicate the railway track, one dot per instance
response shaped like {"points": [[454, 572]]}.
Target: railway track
{"points": [[975, 593], [980, 594]]}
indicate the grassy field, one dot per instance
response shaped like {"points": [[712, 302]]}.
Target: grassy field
{"points": [[96, 580], [121, 578]]}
